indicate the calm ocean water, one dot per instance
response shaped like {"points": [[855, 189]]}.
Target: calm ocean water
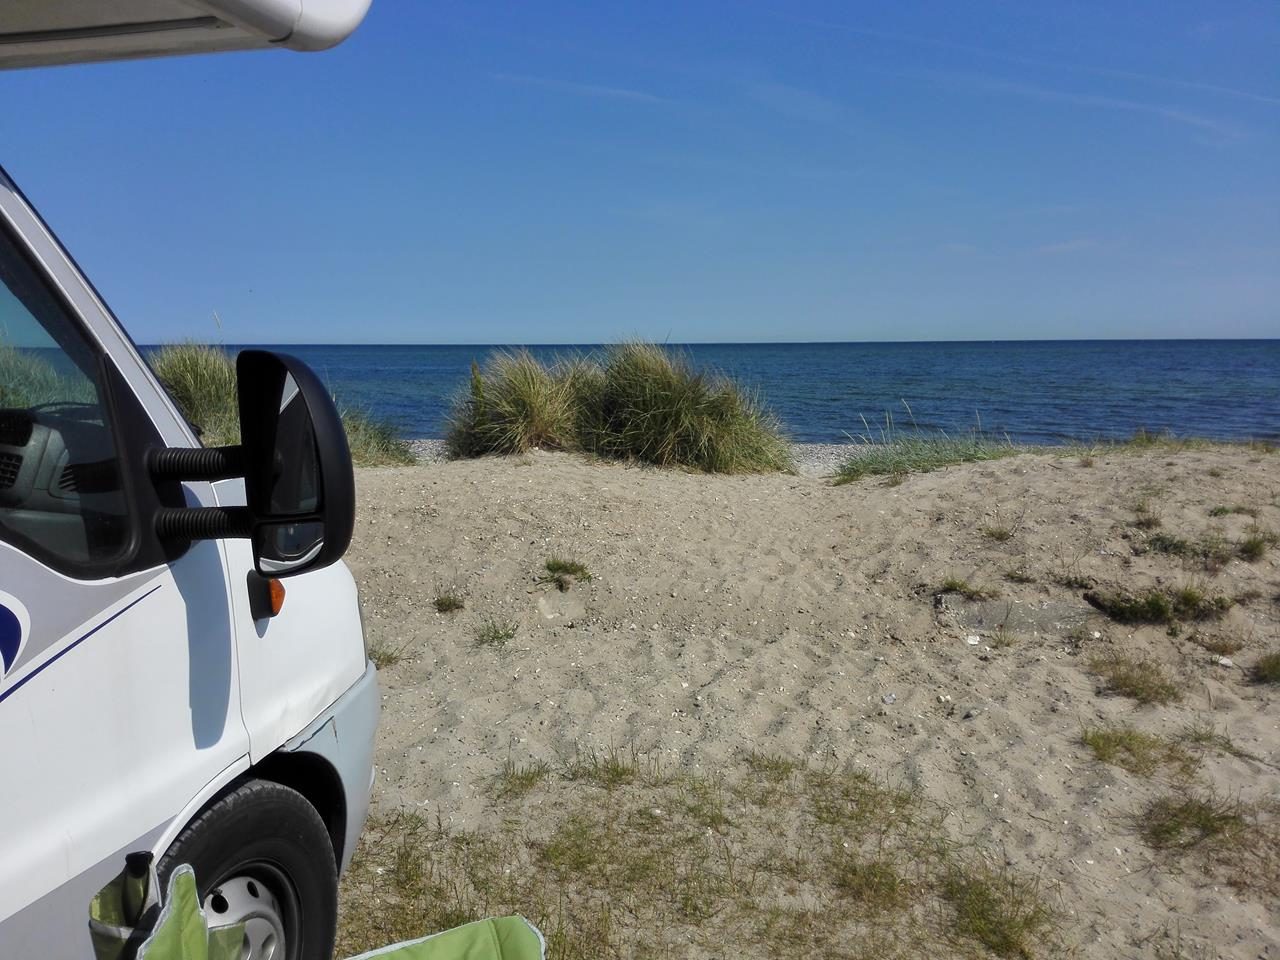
{"points": [[1036, 392]]}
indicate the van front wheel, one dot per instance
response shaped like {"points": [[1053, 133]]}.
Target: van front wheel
{"points": [[262, 857]]}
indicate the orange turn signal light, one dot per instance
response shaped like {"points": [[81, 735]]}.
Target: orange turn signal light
{"points": [[277, 595]]}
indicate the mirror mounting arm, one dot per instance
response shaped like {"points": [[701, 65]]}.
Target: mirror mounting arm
{"points": [[196, 463], [203, 523]]}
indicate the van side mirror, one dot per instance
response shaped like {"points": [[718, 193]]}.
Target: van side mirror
{"points": [[293, 456]]}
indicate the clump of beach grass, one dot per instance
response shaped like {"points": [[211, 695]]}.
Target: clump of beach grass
{"points": [[1234, 840], [1144, 516], [1189, 820], [448, 603], [1143, 440], [613, 767], [633, 401], [1142, 680], [649, 404], [201, 379], [515, 780], [613, 858], [1140, 753], [1267, 668], [562, 573], [386, 655], [1159, 605], [896, 452], [512, 405], [374, 442], [773, 767], [1227, 510], [495, 633], [967, 590], [1255, 544], [1203, 735], [999, 909], [1211, 551], [27, 380]]}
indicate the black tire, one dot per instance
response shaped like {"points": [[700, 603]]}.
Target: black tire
{"points": [[266, 840]]}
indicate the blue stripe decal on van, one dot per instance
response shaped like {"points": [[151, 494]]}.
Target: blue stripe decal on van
{"points": [[4, 695]]}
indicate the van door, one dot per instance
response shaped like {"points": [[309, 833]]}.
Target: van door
{"points": [[119, 697]]}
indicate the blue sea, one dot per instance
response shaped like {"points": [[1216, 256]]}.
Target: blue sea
{"points": [[1032, 391]]}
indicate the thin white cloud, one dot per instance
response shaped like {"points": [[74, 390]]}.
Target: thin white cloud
{"points": [[1036, 92], [1065, 246], [1043, 63], [797, 104], [581, 89]]}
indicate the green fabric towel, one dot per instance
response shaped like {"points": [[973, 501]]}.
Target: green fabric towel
{"points": [[128, 922], [504, 938]]}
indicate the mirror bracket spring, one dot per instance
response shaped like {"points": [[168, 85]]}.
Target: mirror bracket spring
{"points": [[196, 463], [203, 523]]}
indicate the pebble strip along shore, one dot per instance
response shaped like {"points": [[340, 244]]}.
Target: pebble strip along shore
{"points": [[812, 459]]}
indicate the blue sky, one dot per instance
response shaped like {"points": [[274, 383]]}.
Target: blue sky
{"points": [[685, 171]]}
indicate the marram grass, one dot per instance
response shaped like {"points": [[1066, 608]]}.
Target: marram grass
{"points": [[202, 381], [27, 380], [635, 401], [897, 452]]}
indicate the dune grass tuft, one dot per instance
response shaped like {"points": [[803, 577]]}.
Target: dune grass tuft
{"points": [[650, 404], [1135, 751], [967, 590], [1159, 606], [1181, 822], [373, 442], [562, 573], [897, 452], [385, 655], [495, 633], [1227, 510], [999, 909], [1143, 680], [512, 405], [202, 381], [515, 780], [1267, 669], [1255, 544], [1234, 840], [27, 380], [448, 603], [633, 401]]}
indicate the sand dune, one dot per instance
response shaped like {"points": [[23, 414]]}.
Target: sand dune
{"points": [[784, 614]]}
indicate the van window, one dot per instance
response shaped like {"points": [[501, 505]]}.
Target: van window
{"points": [[60, 489]]}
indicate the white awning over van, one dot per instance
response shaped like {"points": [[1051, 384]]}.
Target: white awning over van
{"points": [[44, 32]]}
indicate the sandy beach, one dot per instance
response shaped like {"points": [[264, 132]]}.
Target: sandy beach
{"points": [[783, 614]]}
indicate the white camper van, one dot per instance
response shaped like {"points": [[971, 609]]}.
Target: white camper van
{"points": [[182, 666]]}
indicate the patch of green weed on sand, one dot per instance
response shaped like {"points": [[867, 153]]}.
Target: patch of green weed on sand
{"points": [[613, 862], [967, 590], [1143, 680], [1135, 751], [562, 573], [495, 633]]}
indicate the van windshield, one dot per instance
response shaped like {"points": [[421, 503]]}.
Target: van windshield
{"points": [[60, 491]]}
